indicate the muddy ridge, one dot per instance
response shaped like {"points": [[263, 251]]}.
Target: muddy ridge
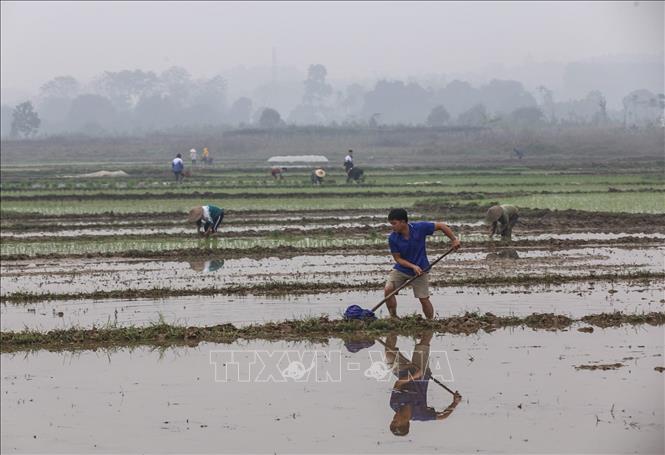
{"points": [[301, 195], [304, 329]]}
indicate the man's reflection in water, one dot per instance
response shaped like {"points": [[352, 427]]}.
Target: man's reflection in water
{"points": [[409, 395]]}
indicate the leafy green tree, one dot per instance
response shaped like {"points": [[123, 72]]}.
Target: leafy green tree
{"points": [[125, 88], [270, 118], [527, 116], [439, 116], [91, 113], [476, 116], [6, 120], [240, 111], [60, 87], [316, 88], [25, 120], [398, 102]]}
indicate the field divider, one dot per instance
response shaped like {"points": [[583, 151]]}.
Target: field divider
{"points": [[314, 329]]}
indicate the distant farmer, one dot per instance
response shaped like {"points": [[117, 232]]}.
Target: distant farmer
{"points": [[409, 396], [177, 166], [277, 172], [207, 218], [348, 161], [317, 176], [407, 245], [206, 156], [356, 174], [192, 154], [501, 219]]}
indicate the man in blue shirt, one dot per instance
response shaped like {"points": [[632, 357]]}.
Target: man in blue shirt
{"points": [[177, 166], [407, 245], [409, 396]]}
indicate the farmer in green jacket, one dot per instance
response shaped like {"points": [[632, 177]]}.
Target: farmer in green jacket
{"points": [[208, 218], [501, 219]]}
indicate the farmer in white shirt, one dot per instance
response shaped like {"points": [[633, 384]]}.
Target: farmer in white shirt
{"points": [[192, 154], [348, 161], [177, 166]]}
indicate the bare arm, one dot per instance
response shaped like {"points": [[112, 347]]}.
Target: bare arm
{"points": [[449, 410], [404, 263], [443, 227], [493, 228]]}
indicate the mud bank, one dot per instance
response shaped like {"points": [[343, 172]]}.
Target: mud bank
{"points": [[312, 328]]}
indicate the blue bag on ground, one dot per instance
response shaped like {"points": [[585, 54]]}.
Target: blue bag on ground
{"points": [[355, 312], [356, 346]]}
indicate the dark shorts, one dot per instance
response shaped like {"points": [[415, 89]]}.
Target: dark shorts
{"points": [[218, 221]]}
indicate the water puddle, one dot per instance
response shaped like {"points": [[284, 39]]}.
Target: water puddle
{"points": [[521, 393]]}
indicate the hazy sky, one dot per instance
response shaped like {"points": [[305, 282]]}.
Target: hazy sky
{"points": [[353, 39]]}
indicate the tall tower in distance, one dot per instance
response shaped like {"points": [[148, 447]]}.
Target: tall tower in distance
{"points": [[274, 66]]}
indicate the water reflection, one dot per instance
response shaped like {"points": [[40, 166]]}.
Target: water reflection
{"points": [[409, 396], [206, 266]]}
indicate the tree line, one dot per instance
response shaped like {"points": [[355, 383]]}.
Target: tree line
{"points": [[129, 102]]}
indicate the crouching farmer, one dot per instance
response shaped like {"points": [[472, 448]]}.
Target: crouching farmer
{"points": [[317, 176], [407, 245], [356, 174], [207, 218], [502, 219]]}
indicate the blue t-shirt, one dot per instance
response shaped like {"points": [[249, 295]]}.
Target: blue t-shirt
{"points": [[415, 394], [413, 248], [177, 165]]}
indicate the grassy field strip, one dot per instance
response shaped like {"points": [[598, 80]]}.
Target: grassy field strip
{"points": [[183, 205], [609, 202], [646, 202]]}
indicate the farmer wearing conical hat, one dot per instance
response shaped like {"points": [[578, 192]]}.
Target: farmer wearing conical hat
{"points": [[207, 218], [317, 176], [501, 219]]}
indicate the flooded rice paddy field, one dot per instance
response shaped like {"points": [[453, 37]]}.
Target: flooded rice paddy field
{"points": [[112, 255], [575, 300], [523, 391], [312, 272]]}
